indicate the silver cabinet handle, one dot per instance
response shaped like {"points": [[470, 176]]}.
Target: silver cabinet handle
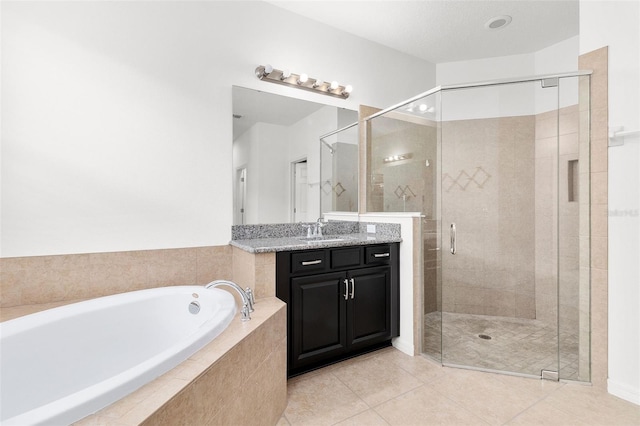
{"points": [[381, 255], [311, 262], [452, 233], [353, 287], [346, 289]]}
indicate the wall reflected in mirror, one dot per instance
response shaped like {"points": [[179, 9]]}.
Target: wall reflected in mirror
{"points": [[276, 158], [339, 170]]}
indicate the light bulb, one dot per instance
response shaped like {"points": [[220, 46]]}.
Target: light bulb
{"points": [[285, 74], [422, 107], [334, 85], [303, 78], [348, 89], [263, 71], [318, 83]]}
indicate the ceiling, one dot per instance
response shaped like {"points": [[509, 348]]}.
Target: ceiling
{"points": [[448, 30]]}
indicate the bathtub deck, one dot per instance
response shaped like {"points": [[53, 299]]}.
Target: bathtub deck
{"points": [[259, 346]]}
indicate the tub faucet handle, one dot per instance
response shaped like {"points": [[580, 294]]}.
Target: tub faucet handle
{"points": [[250, 298], [244, 313]]}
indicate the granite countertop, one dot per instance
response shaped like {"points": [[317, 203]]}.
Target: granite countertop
{"points": [[266, 245], [288, 237]]}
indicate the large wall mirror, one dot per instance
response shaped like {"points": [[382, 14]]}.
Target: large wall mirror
{"points": [[281, 172]]}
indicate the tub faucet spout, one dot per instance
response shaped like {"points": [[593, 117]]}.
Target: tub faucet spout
{"points": [[246, 295]]}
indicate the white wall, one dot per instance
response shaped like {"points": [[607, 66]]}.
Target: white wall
{"points": [[617, 24], [268, 175], [512, 100], [116, 116], [304, 142], [559, 58], [485, 69]]}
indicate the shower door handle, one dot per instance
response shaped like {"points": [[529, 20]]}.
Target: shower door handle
{"points": [[452, 235]]}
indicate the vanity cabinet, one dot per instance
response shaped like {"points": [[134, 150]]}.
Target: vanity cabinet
{"points": [[340, 302]]}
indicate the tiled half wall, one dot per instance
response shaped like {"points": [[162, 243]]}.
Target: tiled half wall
{"points": [[47, 279]]}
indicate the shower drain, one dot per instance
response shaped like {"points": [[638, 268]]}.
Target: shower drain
{"points": [[484, 336]]}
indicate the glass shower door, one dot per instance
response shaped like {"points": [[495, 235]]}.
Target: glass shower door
{"points": [[499, 227]]}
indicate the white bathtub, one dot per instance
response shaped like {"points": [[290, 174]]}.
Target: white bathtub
{"points": [[63, 364]]}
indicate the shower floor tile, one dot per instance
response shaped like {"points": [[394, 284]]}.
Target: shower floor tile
{"points": [[518, 345]]}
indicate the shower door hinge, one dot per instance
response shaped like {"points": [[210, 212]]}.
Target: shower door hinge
{"points": [[549, 82], [549, 375]]}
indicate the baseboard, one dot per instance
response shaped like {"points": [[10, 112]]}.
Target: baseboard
{"points": [[402, 346], [623, 391]]}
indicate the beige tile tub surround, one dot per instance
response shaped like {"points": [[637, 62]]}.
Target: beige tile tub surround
{"points": [[47, 279], [257, 271], [239, 378]]}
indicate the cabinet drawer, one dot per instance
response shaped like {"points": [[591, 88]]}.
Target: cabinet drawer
{"points": [[377, 255], [313, 261], [347, 257]]}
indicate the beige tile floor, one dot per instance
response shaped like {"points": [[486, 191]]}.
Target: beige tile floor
{"points": [[388, 387]]}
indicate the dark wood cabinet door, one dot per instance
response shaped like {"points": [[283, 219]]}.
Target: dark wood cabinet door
{"points": [[369, 308], [318, 318]]}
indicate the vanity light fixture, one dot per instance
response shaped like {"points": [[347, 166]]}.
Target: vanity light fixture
{"points": [[302, 81], [394, 158], [421, 108]]}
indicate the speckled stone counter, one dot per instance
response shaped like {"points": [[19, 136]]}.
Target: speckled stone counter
{"points": [[291, 236]]}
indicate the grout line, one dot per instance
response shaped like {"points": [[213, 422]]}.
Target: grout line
{"points": [[538, 402]]}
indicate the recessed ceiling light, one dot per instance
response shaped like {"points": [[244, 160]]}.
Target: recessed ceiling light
{"points": [[498, 22]]}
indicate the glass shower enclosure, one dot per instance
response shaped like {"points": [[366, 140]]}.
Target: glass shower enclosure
{"points": [[500, 173]]}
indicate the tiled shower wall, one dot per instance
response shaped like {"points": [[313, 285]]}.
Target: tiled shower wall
{"points": [[488, 192], [558, 200], [46, 279], [597, 61]]}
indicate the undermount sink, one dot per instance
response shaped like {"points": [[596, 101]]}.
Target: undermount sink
{"points": [[319, 240]]}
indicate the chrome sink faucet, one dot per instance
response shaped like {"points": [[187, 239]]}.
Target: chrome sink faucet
{"points": [[317, 231], [246, 295]]}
